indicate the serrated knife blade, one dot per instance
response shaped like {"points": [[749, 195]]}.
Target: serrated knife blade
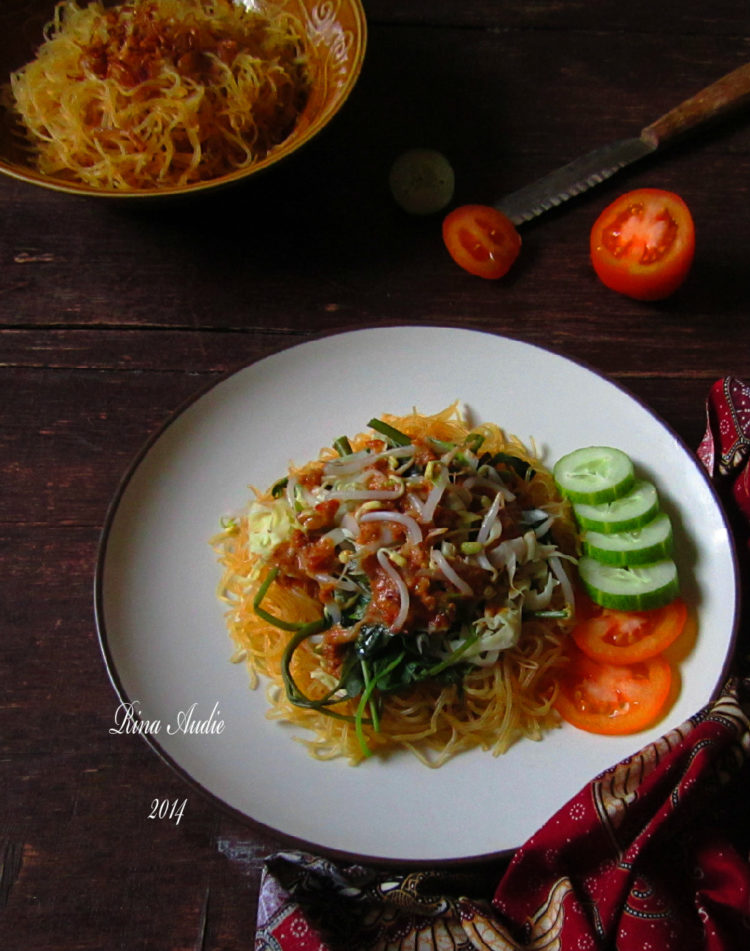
{"points": [[728, 93]]}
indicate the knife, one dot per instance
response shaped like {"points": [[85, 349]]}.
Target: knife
{"points": [[726, 94]]}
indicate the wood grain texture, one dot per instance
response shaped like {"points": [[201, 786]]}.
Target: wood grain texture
{"points": [[110, 319]]}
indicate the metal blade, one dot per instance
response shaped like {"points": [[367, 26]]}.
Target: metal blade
{"points": [[572, 179]]}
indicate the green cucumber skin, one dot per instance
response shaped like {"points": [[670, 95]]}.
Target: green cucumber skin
{"points": [[591, 520], [597, 498], [593, 496], [627, 603], [614, 549], [606, 554], [628, 559], [614, 528], [611, 595]]}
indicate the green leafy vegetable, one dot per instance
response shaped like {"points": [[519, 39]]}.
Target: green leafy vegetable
{"points": [[266, 615], [521, 468], [300, 633], [371, 685]]}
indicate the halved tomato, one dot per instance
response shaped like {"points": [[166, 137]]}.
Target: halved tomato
{"points": [[627, 637], [613, 698], [643, 244], [482, 240]]}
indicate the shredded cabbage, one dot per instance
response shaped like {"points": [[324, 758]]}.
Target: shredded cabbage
{"points": [[268, 524]]}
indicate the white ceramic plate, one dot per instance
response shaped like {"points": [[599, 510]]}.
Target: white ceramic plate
{"points": [[163, 635]]}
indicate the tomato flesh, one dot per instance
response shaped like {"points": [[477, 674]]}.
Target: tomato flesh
{"points": [[610, 698], [627, 637], [481, 240], [643, 244]]}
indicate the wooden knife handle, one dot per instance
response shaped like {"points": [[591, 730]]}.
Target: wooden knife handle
{"points": [[725, 94]]}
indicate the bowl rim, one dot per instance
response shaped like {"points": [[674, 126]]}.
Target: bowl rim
{"points": [[294, 142]]}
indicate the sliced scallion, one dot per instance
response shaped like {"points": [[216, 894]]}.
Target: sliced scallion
{"points": [[395, 436], [342, 446]]}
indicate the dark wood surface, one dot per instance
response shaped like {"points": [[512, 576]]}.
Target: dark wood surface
{"points": [[110, 318]]}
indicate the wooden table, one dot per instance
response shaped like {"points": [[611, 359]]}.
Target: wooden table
{"points": [[111, 317]]}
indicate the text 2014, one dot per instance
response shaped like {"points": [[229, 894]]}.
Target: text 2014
{"points": [[167, 809]]}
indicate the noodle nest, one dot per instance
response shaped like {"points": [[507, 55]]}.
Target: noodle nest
{"points": [[493, 707], [160, 93]]}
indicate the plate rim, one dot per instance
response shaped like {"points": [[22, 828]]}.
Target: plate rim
{"points": [[286, 839]]}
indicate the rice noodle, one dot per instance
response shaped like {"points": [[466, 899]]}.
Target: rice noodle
{"points": [[160, 93]]}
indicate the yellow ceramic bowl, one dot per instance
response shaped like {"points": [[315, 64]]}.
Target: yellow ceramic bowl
{"points": [[336, 30]]}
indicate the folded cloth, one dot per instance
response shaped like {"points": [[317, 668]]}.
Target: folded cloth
{"points": [[652, 855], [725, 448]]}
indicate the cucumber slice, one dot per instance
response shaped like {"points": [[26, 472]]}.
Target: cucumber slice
{"points": [[635, 588], [594, 474], [652, 542], [632, 510]]}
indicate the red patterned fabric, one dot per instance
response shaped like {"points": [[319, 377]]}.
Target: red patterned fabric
{"points": [[643, 857], [652, 855], [725, 449]]}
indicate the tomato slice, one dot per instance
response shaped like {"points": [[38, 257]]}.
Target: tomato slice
{"points": [[643, 244], [627, 637], [482, 240], [613, 698]]}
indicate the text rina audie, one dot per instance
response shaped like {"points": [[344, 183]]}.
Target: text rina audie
{"points": [[128, 719]]}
